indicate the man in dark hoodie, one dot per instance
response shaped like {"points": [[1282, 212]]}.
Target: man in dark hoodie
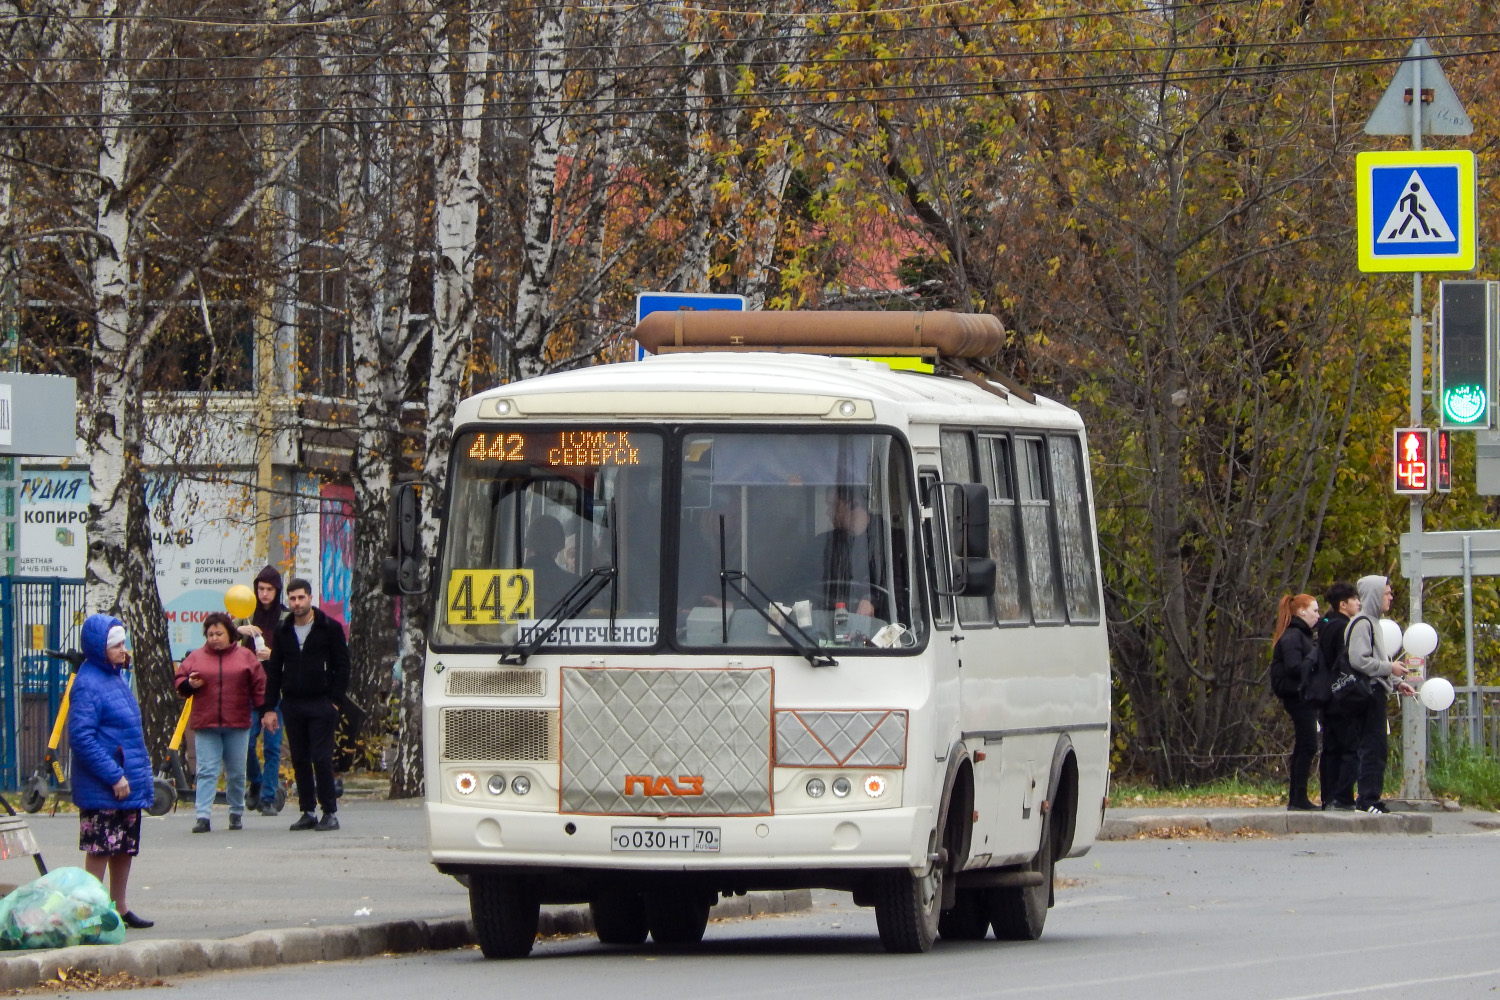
{"points": [[309, 672], [269, 612], [1339, 765]]}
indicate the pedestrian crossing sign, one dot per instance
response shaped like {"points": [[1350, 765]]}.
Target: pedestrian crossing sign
{"points": [[1417, 210]]}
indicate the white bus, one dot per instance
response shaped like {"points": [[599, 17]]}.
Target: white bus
{"points": [[750, 615]]}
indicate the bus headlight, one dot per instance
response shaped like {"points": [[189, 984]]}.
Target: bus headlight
{"points": [[841, 787], [496, 784], [465, 783], [815, 788], [874, 785], [521, 784]]}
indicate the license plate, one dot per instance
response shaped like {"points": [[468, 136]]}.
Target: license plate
{"points": [[671, 839]]}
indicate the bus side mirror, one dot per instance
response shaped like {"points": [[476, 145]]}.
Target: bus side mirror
{"points": [[973, 569], [401, 570], [965, 515]]}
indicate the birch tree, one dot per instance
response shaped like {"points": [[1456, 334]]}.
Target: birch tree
{"points": [[534, 316], [455, 84]]}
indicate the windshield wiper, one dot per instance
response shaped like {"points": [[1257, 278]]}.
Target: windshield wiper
{"points": [[803, 643], [577, 597]]}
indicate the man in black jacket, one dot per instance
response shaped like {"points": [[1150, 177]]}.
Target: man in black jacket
{"points": [[309, 671], [1339, 764]]}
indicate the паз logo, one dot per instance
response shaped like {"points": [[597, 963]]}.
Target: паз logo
{"points": [[649, 785]]}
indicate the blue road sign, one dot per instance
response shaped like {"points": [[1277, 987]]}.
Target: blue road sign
{"points": [[1416, 211], [647, 303]]}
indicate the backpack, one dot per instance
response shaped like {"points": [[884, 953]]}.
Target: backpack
{"points": [[1319, 685], [1349, 691]]}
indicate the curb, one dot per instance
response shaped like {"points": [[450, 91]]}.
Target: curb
{"points": [[1131, 827], [262, 949]]}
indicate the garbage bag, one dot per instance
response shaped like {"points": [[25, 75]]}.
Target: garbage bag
{"points": [[64, 907]]}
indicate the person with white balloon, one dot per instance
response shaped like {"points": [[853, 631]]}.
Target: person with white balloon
{"points": [[1368, 654]]}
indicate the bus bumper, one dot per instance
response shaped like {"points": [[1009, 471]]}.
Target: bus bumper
{"points": [[463, 837]]}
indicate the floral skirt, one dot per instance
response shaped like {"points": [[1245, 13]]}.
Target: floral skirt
{"points": [[109, 831]]}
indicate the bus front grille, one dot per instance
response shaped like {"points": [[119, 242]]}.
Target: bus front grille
{"points": [[497, 683], [491, 734], [676, 742]]}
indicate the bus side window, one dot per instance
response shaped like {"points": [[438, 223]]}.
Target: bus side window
{"points": [[958, 467], [1036, 529], [1075, 533], [1005, 536], [933, 548]]}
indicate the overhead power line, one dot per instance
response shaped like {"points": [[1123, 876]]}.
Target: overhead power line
{"points": [[774, 99]]}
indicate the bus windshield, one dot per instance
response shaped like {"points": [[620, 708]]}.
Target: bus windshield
{"points": [[811, 529], [782, 540], [535, 513]]}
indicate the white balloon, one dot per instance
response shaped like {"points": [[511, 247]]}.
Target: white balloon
{"points": [[1391, 633], [1420, 639], [1436, 693]]}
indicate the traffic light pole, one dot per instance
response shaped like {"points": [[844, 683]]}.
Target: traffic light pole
{"points": [[1413, 715]]}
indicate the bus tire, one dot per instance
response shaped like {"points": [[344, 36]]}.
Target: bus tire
{"points": [[969, 920], [1019, 914], [619, 917], [677, 918], [907, 908], [505, 911]]}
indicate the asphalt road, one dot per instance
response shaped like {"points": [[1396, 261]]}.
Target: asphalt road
{"points": [[1261, 919]]}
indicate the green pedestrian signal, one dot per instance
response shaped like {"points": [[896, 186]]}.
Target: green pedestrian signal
{"points": [[1466, 330]]}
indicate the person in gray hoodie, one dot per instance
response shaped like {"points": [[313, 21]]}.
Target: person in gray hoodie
{"points": [[1368, 655]]}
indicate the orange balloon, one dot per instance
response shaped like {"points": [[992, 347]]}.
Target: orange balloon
{"points": [[239, 601]]}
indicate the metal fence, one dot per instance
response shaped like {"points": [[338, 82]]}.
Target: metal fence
{"points": [[35, 614], [1473, 719]]}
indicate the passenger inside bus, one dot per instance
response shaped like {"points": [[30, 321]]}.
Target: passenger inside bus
{"points": [[545, 541], [853, 569]]}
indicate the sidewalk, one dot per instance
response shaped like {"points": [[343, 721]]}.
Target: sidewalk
{"points": [[266, 896], [1413, 818]]}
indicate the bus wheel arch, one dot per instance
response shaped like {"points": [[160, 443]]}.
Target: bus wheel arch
{"points": [[1061, 804]]}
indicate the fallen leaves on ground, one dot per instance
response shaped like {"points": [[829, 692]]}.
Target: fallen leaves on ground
{"points": [[1201, 833], [86, 981], [1166, 800]]}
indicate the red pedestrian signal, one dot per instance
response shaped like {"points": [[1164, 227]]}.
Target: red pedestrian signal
{"points": [[1443, 470], [1413, 461]]}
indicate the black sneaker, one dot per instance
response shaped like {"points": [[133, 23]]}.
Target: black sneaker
{"points": [[306, 821], [201, 826], [1342, 807], [1378, 808], [330, 821], [136, 923], [1301, 807], [234, 822], [268, 808]]}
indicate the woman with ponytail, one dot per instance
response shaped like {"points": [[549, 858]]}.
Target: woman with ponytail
{"points": [[1295, 661]]}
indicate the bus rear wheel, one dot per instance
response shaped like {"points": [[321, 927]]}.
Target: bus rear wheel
{"points": [[969, 920], [505, 911], [1018, 914], [677, 918], [907, 908], [619, 917]]}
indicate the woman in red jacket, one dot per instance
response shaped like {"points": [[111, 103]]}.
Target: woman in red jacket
{"points": [[227, 684]]}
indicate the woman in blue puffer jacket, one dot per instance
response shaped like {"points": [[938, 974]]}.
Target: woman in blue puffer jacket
{"points": [[111, 769]]}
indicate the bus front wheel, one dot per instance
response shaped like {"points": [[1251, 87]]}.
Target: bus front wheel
{"points": [[505, 911], [907, 907]]}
